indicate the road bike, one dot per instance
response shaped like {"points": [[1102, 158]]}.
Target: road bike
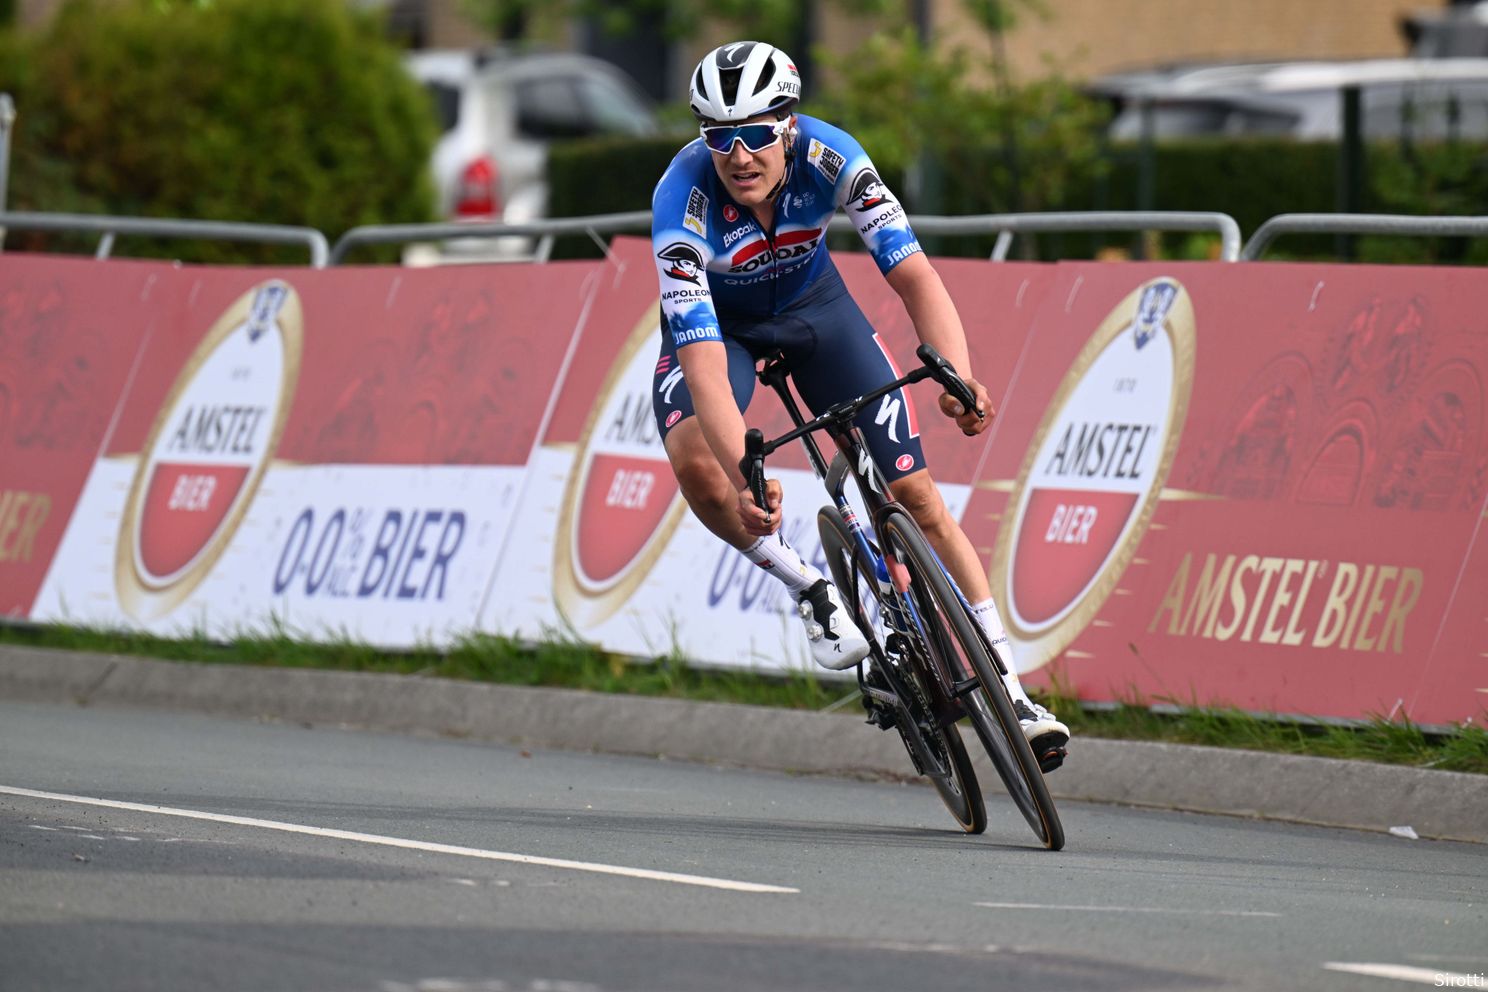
{"points": [[930, 665]]}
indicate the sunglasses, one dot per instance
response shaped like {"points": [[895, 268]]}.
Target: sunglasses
{"points": [[756, 137]]}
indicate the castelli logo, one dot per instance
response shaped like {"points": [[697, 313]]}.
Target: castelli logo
{"points": [[208, 450], [1094, 472], [621, 503], [730, 212]]}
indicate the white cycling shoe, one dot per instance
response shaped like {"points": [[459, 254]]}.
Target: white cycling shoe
{"points": [[1045, 734], [836, 642]]}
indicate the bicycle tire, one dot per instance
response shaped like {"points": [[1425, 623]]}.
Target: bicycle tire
{"points": [[954, 633], [955, 782]]}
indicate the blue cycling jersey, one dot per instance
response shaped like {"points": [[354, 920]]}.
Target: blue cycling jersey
{"points": [[713, 258]]}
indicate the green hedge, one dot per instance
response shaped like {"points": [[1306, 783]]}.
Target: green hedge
{"points": [[1249, 180], [266, 111]]}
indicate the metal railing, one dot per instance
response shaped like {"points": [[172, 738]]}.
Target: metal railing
{"points": [[544, 230], [1007, 226], [1400, 224], [196, 230]]}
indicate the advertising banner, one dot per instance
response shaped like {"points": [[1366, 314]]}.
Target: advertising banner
{"points": [[1244, 485], [604, 547], [71, 332], [297, 452], [1252, 485]]}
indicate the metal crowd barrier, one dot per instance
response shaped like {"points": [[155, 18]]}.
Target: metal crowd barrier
{"points": [[1360, 224], [544, 230], [1005, 226], [195, 230]]}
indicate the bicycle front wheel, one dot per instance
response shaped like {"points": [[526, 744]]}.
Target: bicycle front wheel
{"points": [[952, 635], [940, 751]]}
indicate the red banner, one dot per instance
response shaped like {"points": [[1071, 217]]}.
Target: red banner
{"points": [[71, 331], [1248, 485], [1255, 485], [329, 450]]}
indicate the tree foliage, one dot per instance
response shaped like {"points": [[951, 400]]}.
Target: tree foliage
{"points": [[271, 111]]}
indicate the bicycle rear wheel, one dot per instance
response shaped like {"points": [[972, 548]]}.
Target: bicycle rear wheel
{"points": [[947, 764], [952, 634]]}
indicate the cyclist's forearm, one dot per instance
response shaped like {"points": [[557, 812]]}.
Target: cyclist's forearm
{"points": [[930, 308], [723, 427], [705, 366]]}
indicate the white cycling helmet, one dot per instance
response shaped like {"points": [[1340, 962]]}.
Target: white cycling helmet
{"points": [[743, 80]]}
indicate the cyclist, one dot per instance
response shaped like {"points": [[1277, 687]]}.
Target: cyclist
{"points": [[739, 224]]}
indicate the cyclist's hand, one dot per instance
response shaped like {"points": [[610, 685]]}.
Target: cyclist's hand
{"points": [[761, 522], [970, 423]]}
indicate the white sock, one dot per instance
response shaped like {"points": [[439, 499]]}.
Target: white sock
{"points": [[987, 616], [781, 560]]}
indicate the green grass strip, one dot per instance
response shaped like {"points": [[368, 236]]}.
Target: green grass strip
{"points": [[564, 661]]}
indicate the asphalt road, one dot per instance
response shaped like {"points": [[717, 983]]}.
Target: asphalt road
{"points": [[225, 854]]}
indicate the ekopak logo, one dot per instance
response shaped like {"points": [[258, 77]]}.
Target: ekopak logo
{"points": [[1094, 471], [208, 450], [621, 502]]}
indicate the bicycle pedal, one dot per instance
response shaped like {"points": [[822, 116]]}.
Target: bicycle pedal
{"points": [[1049, 758]]}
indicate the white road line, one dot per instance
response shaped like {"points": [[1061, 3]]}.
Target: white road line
{"points": [[412, 845], [1124, 909], [1407, 973]]}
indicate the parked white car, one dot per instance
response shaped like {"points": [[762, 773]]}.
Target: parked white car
{"points": [[1429, 99], [499, 112]]}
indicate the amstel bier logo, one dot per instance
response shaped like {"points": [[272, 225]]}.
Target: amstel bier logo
{"points": [[1094, 471], [208, 450], [621, 503]]}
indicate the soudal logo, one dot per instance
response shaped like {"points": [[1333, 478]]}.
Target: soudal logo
{"points": [[684, 261], [1094, 472], [789, 244], [208, 450], [621, 502], [868, 191]]}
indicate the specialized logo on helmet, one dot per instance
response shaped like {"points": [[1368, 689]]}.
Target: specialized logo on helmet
{"points": [[621, 502], [868, 191], [1095, 469], [687, 263], [735, 55], [208, 450]]}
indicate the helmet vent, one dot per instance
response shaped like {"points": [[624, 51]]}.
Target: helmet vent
{"points": [[730, 80]]}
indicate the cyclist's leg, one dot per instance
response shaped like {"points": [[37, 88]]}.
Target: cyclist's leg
{"points": [[708, 492], [835, 641]]}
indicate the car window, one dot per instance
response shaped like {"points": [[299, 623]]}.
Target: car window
{"points": [[446, 100], [1428, 111], [1173, 119], [613, 110], [550, 108]]}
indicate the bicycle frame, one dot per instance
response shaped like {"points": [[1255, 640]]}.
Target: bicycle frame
{"points": [[854, 461]]}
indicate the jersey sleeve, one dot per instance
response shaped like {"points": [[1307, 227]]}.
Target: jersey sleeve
{"points": [[860, 193], [679, 240]]}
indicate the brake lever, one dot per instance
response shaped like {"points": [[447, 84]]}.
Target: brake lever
{"points": [[752, 465], [942, 372]]}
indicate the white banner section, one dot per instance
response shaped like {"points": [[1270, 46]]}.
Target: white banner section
{"points": [[694, 595], [392, 555]]}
